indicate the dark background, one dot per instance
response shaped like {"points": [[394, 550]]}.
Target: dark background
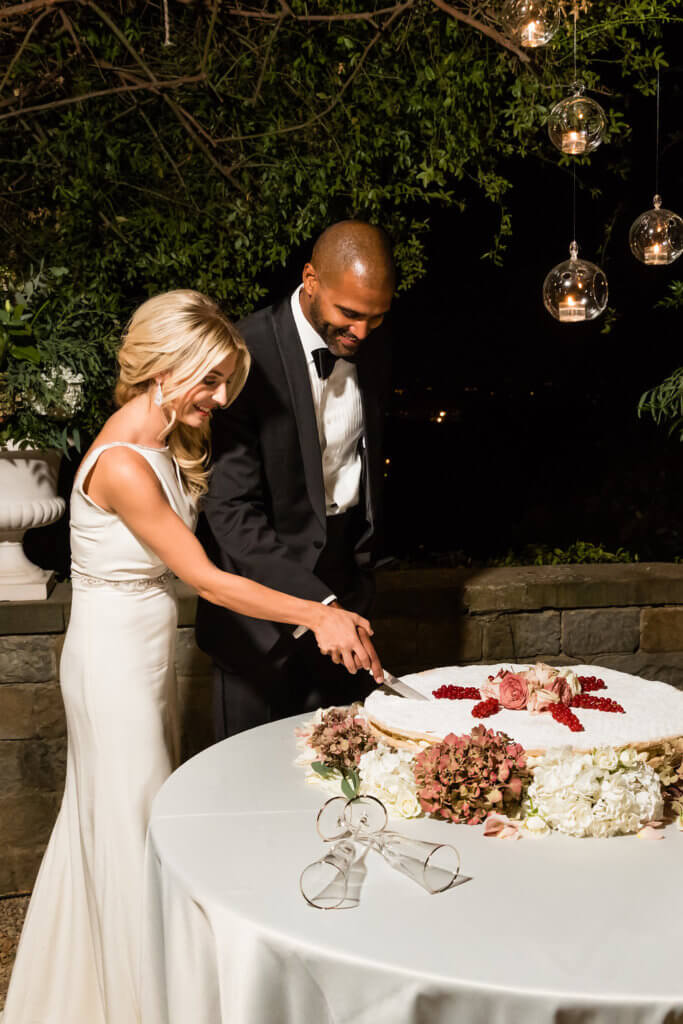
{"points": [[540, 442]]}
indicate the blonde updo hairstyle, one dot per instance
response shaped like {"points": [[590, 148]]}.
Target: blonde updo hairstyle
{"points": [[183, 335]]}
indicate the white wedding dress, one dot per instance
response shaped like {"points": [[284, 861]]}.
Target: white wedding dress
{"points": [[78, 957]]}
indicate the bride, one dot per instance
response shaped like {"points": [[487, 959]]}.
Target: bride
{"points": [[132, 515]]}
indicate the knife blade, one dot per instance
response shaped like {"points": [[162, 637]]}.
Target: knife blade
{"points": [[398, 686]]}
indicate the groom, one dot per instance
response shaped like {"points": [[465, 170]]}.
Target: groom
{"points": [[294, 499]]}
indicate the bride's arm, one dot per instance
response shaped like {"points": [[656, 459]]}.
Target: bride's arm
{"points": [[123, 482]]}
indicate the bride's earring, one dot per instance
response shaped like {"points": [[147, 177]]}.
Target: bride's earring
{"points": [[158, 397]]}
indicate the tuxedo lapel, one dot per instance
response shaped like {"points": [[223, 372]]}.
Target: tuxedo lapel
{"points": [[298, 380]]}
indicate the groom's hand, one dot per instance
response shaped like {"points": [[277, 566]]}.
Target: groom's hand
{"points": [[375, 670]]}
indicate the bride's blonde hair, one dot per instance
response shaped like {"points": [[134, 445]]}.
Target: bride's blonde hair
{"points": [[184, 335]]}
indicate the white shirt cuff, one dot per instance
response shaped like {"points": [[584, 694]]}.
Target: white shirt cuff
{"points": [[300, 630]]}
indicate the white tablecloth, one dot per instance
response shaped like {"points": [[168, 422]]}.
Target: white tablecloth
{"points": [[557, 929]]}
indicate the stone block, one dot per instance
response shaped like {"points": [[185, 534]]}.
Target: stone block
{"points": [[187, 603], [396, 643], [16, 711], [29, 765], [27, 659], [525, 588], [26, 819], [189, 660], [427, 593], [196, 714], [667, 667], [36, 616], [43, 764], [597, 631], [498, 639], [48, 711], [661, 629], [28, 710], [535, 634], [19, 867], [449, 642]]}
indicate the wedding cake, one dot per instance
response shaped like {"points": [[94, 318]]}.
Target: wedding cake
{"points": [[540, 707]]}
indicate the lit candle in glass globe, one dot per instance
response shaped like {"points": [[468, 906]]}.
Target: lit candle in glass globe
{"points": [[656, 237], [575, 290], [531, 22], [577, 124]]}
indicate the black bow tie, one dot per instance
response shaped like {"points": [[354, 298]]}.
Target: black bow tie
{"points": [[324, 362]]}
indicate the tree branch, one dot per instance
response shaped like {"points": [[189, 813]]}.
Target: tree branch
{"points": [[492, 33], [182, 116], [30, 5], [243, 12], [173, 83], [34, 25], [338, 98]]}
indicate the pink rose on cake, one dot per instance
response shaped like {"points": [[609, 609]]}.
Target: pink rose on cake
{"points": [[513, 692]]}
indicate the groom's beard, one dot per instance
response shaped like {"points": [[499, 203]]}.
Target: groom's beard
{"points": [[332, 335]]}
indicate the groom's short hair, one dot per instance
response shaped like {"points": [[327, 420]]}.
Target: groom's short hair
{"points": [[354, 245]]}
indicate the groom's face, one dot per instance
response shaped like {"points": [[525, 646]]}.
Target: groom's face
{"points": [[345, 308]]}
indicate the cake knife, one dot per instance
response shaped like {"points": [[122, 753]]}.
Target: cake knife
{"points": [[398, 686]]}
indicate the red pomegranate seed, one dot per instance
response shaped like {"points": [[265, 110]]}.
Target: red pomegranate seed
{"points": [[562, 714], [590, 683], [586, 700], [449, 692], [486, 708]]}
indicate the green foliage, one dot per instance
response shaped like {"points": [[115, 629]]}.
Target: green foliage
{"points": [[59, 387], [207, 162], [579, 553], [664, 403]]}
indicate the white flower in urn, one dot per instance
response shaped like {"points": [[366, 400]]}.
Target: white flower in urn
{"points": [[58, 404]]}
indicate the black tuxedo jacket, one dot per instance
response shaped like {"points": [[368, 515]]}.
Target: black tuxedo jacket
{"points": [[264, 515]]}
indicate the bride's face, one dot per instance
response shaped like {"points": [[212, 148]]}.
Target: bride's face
{"points": [[196, 405]]}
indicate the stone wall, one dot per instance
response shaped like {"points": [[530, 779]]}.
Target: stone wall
{"points": [[628, 617]]}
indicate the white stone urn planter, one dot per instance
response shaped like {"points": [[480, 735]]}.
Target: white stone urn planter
{"points": [[28, 498]]}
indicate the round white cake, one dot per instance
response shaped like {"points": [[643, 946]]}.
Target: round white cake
{"points": [[653, 712]]}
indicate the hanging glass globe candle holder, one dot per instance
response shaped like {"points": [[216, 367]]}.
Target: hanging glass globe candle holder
{"points": [[577, 124], [575, 290], [656, 237], [531, 22]]}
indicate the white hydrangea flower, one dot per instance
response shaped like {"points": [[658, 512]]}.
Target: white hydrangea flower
{"points": [[606, 758], [628, 757], [596, 795], [388, 775]]}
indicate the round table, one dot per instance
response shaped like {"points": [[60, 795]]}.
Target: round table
{"points": [[540, 930]]}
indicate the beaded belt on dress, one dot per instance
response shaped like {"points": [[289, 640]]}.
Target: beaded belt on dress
{"points": [[144, 583]]}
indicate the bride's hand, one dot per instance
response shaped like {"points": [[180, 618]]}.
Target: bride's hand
{"points": [[345, 637]]}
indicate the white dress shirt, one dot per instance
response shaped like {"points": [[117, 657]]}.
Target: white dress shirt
{"points": [[339, 415]]}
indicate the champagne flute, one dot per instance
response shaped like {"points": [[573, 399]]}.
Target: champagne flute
{"points": [[324, 883], [434, 866]]}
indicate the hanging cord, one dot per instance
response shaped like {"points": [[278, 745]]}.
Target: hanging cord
{"points": [[576, 18], [657, 139], [574, 200], [167, 28]]}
